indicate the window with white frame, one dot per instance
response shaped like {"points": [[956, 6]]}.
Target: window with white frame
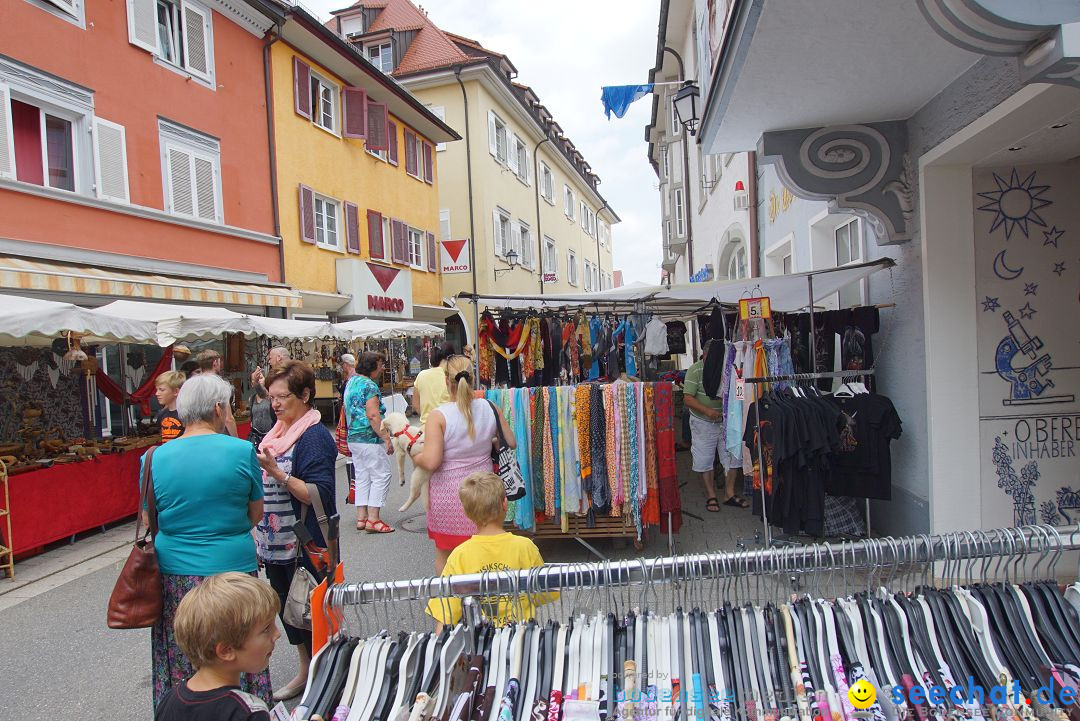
{"points": [[416, 248], [780, 259], [46, 139], [524, 245], [588, 276], [665, 162], [326, 223], [70, 10], [571, 267], [584, 217], [568, 202], [680, 213], [676, 126], [503, 233], [667, 233], [848, 243], [498, 139], [596, 277], [551, 257], [592, 224], [444, 224], [520, 160], [547, 183], [439, 111], [381, 56], [737, 263], [191, 169], [178, 32], [324, 103]]}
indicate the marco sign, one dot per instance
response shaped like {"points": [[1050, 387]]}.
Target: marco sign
{"points": [[377, 290], [454, 256]]}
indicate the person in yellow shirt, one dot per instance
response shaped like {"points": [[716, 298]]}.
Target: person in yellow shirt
{"points": [[491, 549], [429, 388]]}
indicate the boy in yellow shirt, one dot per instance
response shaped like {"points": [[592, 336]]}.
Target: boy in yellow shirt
{"points": [[491, 549]]}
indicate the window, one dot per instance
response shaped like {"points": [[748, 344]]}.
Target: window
{"points": [[497, 137], [596, 277], [326, 223], [568, 202], [519, 161], [571, 267], [381, 56], [324, 103], [439, 111], [667, 233], [665, 162], [444, 224], [848, 241], [503, 234], [70, 10], [44, 146], [524, 245], [584, 217], [416, 248], [737, 263], [588, 276], [191, 168], [680, 214], [592, 224], [547, 183], [178, 32], [788, 266], [676, 126], [551, 258]]}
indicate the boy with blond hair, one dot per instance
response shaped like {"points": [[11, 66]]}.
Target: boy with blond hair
{"points": [[226, 626], [168, 420], [491, 549]]}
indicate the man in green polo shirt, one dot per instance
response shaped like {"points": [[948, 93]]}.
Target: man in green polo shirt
{"points": [[707, 434]]}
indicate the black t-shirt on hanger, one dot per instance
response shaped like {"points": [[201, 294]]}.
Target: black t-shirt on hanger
{"points": [[863, 464]]}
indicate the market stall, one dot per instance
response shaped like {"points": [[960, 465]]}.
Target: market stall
{"points": [[66, 371], [551, 346]]}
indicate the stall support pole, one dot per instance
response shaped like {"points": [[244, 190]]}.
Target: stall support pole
{"points": [[761, 469], [813, 329]]}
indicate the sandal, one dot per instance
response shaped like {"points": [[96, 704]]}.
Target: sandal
{"points": [[737, 502], [379, 526], [712, 505], [362, 525]]}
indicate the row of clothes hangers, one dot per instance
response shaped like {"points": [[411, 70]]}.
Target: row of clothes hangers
{"points": [[744, 662]]}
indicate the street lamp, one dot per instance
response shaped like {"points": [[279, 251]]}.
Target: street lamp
{"points": [[686, 101], [511, 260]]}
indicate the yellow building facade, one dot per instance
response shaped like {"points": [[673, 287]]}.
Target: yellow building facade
{"points": [[356, 181]]}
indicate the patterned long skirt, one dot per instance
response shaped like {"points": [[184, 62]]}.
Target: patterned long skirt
{"points": [[170, 665]]}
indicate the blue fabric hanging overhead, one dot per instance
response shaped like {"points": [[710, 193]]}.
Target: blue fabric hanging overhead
{"points": [[617, 98]]}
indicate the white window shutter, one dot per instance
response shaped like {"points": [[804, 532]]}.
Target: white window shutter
{"points": [[439, 112], [142, 24], [205, 193], [110, 161], [515, 242], [70, 6], [496, 225], [181, 198], [512, 156], [527, 170], [7, 138], [493, 146], [198, 50]]}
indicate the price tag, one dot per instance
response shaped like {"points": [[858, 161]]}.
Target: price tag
{"points": [[740, 389], [279, 712]]}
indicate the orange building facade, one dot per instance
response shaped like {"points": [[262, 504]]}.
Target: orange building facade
{"points": [[134, 136]]}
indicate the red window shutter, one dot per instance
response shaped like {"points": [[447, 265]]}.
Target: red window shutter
{"points": [[432, 252], [302, 87], [355, 125], [307, 214], [410, 153], [429, 170], [391, 137], [376, 248], [352, 228], [398, 250], [376, 126]]}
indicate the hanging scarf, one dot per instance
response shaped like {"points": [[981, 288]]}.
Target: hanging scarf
{"points": [[536, 400], [486, 359], [667, 476], [549, 455], [611, 409], [522, 429], [651, 512], [600, 498], [582, 415]]}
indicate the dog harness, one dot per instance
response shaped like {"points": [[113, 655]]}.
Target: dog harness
{"points": [[412, 439]]}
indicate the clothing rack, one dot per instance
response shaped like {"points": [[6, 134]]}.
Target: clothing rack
{"points": [[757, 421], [870, 553]]}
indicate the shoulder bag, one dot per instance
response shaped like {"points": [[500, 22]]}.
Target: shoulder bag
{"points": [[504, 460], [137, 596], [297, 611]]}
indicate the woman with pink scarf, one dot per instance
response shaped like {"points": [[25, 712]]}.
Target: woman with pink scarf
{"points": [[297, 456]]}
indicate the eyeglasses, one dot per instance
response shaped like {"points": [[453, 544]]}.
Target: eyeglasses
{"points": [[281, 398]]}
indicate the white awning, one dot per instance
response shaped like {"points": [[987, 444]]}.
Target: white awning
{"points": [[371, 329], [31, 321]]}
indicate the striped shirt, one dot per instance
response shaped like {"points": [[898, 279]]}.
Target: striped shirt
{"points": [[274, 536]]}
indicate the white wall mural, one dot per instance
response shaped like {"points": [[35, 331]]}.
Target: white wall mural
{"points": [[1027, 260]]}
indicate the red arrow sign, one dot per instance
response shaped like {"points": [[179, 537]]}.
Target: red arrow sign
{"points": [[384, 276], [453, 247]]}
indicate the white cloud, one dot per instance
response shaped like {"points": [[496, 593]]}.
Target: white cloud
{"points": [[566, 50]]}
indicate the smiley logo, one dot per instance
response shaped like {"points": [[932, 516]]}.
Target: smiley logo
{"points": [[862, 694]]}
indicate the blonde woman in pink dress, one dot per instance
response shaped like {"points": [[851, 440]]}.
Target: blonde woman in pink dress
{"points": [[458, 439]]}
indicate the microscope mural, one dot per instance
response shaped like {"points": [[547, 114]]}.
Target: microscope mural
{"points": [[1029, 342]]}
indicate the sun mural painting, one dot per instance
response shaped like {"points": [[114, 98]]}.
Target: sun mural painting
{"points": [[1015, 203]]}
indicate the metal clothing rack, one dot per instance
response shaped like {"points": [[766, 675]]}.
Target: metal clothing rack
{"points": [[757, 421], [870, 553]]}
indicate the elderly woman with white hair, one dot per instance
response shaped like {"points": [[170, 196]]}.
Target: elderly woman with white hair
{"points": [[207, 496]]}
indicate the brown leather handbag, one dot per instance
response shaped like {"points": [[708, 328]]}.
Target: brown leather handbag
{"points": [[137, 596]]}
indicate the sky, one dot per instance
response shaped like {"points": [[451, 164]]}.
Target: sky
{"points": [[566, 50]]}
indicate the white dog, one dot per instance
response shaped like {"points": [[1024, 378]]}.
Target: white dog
{"points": [[409, 440]]}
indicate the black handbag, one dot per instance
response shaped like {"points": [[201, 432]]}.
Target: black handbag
{"points": [[504, 461]]}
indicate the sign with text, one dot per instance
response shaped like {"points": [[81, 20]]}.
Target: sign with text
{"points": [[551, 277], [454, 256], [377, 290]]}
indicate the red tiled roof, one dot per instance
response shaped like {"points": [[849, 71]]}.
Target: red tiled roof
{"points": [[431, 48]]}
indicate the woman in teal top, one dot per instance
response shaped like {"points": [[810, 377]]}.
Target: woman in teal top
{"points": [[208, 495]]}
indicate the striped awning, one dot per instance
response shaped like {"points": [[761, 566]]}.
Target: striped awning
{"points": [[41, 275]]}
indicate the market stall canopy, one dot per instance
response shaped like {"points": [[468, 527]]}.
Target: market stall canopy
{"points": [[190, 322], [31, 321], [786, 292], [371, 329]]}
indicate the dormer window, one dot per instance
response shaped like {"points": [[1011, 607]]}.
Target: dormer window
{"points": [[381, 56]]}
